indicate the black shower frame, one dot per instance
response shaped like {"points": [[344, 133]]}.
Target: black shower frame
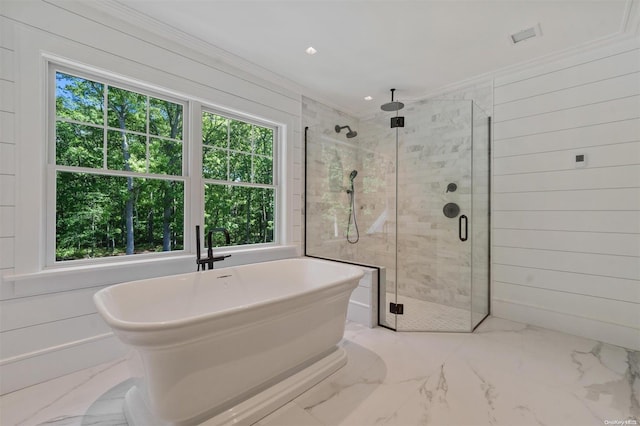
{"points": [[306, 129]]}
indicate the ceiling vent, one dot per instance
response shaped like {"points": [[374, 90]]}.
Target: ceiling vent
{"points": [[526, 34]]}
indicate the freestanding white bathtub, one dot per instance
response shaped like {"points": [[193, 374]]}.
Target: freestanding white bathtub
{"points": [[207, 341]]}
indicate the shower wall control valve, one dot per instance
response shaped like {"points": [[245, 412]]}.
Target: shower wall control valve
{"points": [[397, 122]]}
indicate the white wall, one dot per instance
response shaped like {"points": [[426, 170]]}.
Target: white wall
{"points": [[566, 240], [48, 323], [7, 146]]}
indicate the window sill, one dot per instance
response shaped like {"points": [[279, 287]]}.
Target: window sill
{"points": [[56, 279], [54, 271]]}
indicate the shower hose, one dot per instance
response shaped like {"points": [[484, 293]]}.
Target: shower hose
{"points": [[352, 215]]}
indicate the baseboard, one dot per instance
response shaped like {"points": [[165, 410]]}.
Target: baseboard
{"points": [[58, 361], [615, 334]]}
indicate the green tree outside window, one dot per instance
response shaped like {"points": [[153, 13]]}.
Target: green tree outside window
{"points": [[238, 171], [102, 128]]}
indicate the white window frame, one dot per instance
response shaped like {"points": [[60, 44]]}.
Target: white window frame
{"points": [[192, 177], [276, 172], [52, 168]]}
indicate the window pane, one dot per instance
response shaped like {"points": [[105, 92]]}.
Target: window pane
{"points": [[262, 169], [247, 213], [240, 137], [165, 157], [127, 110], [165, 119], [239, 167], [214, 163], [214, 130], [263, 141], [100, 216], [78, 145], [79, 99], [126, 151]]}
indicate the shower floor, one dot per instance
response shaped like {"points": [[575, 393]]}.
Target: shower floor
{"points": [[420, 315]]}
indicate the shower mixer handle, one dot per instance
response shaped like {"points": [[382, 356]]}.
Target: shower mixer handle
{"points": [[466, 228]]}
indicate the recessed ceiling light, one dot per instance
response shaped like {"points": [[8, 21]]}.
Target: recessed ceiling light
{"points": [[368, 98], [310, 50]]}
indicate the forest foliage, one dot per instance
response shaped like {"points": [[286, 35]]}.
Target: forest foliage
{"points": [[120, 181]]}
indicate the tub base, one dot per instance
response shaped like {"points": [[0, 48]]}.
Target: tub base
{"points": [[250, 410]]}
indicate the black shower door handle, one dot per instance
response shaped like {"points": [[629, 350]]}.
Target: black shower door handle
{"points": [[466, 229]]}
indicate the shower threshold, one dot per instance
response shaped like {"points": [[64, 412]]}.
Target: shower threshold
{"points": [[420, 315]]}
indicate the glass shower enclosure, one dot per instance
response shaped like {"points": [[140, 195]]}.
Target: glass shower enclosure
{"points": [[419, 205]]}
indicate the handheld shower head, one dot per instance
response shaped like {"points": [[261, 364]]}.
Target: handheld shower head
{"points": [[352, 176], [350, 133]]}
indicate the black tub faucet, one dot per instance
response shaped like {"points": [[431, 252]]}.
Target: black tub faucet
{"points": [[210, 259]]}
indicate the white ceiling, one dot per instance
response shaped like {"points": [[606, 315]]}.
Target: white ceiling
{"points": [[367, 47]]}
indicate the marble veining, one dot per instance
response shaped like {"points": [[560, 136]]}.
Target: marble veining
{"points": [[505, 373]]}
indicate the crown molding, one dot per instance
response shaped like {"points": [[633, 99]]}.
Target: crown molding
{"points": [[133, 22], [628, 34], [629, 38], [631, 21], [130, 21]]}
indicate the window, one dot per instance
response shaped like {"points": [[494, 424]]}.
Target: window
{"points": [[239, 184], [118, 165], [122, 181]]}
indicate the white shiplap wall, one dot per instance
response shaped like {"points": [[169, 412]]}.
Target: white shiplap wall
{"points": [[566, 240], [7, 147], [48, 322]]}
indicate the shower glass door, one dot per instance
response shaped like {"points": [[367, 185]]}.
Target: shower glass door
{"points": [[330, 161], [434, 217], [480, 190]]}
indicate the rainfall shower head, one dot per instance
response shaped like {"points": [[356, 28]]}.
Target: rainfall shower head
{"points": [[353, 175], [350, 133], [393, 105]]}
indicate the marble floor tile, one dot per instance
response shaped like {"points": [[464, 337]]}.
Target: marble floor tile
{"points": [[406, 356], [289, 415], [505, 373], [75, 399], [360, 393], [477, 385]]}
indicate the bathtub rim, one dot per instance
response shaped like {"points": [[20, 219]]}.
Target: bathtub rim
{"points": [[329, 289]]}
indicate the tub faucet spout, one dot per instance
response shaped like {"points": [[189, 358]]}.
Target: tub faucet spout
{"points": [[227, 237], [210, 259]]}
